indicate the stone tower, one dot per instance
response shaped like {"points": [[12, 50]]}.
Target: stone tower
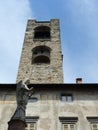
{"points": [[41, 58]]}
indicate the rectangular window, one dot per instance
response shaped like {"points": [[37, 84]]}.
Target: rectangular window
{"points": [[93, 122], [31, 123], [30, 126], [68, 126], [68, 123], [94, 126], [66, 97]]}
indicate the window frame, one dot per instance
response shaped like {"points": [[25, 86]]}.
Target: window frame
{"points": [[67, 95], [68, 121], [93, 121], [30, 120], [28, 125], [69, 126], [92, 128]]}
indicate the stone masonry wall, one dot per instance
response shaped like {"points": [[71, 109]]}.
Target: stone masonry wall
{"points": [[41, 73]]}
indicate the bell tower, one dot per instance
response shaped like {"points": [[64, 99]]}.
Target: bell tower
{"points": [[41, 58]]}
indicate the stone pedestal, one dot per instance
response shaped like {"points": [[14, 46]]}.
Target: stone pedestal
{"points": [[16, 125]]}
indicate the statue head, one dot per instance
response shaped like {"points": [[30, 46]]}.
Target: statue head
{"points": [[27, 81]]}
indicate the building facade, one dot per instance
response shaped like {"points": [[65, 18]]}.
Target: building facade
{"points": [[54, 105]]}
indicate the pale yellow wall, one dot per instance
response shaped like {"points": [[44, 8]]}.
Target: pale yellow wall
{"points": [[49, 110]]}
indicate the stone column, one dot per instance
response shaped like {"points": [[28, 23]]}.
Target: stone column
{"points": [[16, 125]]}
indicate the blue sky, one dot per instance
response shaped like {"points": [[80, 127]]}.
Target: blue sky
{"points": [[79, 35]]}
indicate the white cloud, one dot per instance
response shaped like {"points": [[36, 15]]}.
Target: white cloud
{"points": [[13, 19]]}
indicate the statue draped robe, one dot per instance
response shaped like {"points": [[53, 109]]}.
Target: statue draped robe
{"points": [[23, 93]]}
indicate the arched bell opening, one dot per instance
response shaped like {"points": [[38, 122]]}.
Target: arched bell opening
{"points": [[41, 54], [42, 32]]}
